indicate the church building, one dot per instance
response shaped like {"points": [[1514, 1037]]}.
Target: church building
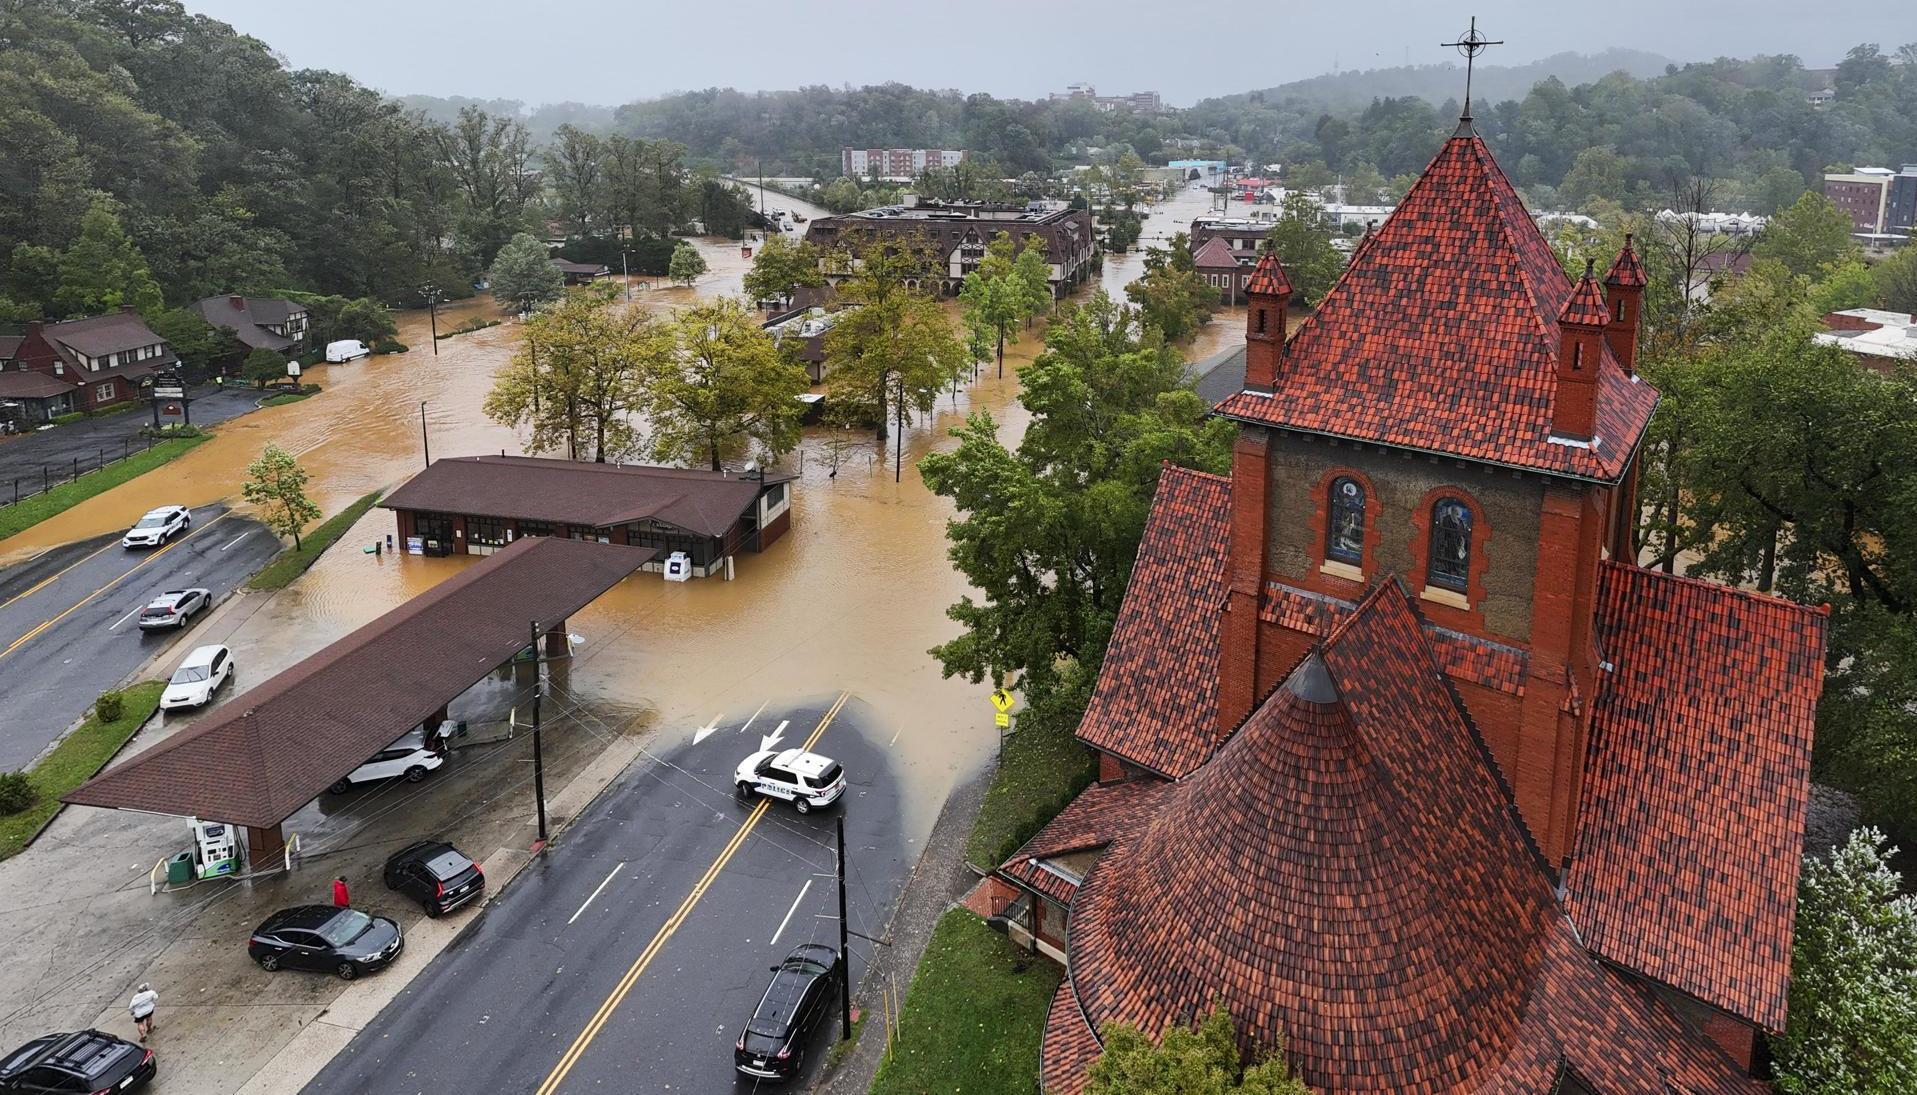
{"points": [[1402, 757]]}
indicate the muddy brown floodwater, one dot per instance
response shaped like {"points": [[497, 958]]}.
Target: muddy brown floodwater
{"points": [[850, 599]]}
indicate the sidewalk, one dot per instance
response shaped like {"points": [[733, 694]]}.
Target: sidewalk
{"points": [[85, 930]]}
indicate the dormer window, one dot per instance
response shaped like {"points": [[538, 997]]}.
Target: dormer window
{"points": [[1450, 564], [1345, 529]]}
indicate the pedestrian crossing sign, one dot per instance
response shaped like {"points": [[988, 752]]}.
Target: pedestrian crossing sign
{"points": [[1002, 700]]}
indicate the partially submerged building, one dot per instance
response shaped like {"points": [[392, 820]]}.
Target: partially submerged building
{"points": [[959, 232]]}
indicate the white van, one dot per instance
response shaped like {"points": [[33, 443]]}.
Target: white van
{"points": [[346, 349], [409, 757]]}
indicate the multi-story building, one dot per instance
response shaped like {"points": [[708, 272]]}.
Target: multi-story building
{"points": [[1403, 760], [1145, 102], [80, 364], [895, 163], [959, 232], [1864, 194], [1900, 202]]}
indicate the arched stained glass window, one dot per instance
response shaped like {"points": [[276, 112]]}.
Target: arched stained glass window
{"points": [[1345, 531], [1450, 564]]}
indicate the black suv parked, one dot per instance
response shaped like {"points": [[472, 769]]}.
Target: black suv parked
{"points": [[439, 875], [773, 1045], [86, 1060]]}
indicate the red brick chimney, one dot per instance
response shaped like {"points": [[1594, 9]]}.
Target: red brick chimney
{"points": [[1624, 299], [1267, 293], [1581, 326], [238, 303]]}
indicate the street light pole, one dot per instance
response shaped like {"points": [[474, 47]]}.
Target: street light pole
{"points": [[845, 956], [539, 765], [424, 443]]}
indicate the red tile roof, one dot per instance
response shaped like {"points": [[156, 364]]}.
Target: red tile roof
{"points": [[1099, 815], [1691, 823], [1585, 306], [1156, 701], [1269, 276], [1466, 657], [1068, 1048], [1348, 874], [1441, 336], [1627, 270]]}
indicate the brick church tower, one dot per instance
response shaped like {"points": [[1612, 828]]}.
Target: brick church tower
{"points": [[1462, 414]]}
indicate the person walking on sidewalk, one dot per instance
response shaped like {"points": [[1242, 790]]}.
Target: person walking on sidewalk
{"points": [[340, 897], [142, 1006]]}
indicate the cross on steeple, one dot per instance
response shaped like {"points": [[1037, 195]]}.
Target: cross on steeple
{"points": [[1470, 43]]}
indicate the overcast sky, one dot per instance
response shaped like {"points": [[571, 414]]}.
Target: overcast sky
{"points": [[614, 51]]}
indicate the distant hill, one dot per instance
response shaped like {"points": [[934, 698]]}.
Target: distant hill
{"points": [[1441, 82], [540, 120]]}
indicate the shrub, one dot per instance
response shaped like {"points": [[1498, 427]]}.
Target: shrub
{"points": [[388, 345], [16, 792], [63, 419], [110, 706]]}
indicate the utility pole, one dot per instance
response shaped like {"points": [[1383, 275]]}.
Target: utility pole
{"points": [[539, 760], [431, 293], [423, 442], [845, 956], [898, 435], [626, 274]]}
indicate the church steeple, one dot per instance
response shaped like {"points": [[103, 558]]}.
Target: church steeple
{"points": [[1470, 43]]}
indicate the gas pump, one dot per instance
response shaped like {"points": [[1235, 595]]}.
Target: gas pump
{"points": [[216, 848], [678, 567]]}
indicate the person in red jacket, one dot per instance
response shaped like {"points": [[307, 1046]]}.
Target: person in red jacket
{"points": [[340, 897]]}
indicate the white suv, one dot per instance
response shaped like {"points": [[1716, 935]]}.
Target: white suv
{"points": [[157, 527], [804, 779], [407, 757]]}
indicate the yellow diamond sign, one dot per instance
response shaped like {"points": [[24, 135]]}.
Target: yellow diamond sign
{"points": [[1002, 700]]}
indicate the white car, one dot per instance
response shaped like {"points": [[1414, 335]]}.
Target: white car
{"points": [[157, 527], [408, 757], [197, 678], [174, 608], [806, 780]]}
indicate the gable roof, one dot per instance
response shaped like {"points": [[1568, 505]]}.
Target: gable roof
{"points": [[1214, 254], [97, 336], [1692, 816], [577, 492], [249, 318], [1347, 874], [265, 753], [1156, 703], [1441, 336], [1099, 815]]}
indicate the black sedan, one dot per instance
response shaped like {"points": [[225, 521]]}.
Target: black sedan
{"points": [[324, 938], [801, 992], [436, 874], [86, 1060]]}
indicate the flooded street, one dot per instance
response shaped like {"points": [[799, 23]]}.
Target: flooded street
{"points": [[850, 599]]}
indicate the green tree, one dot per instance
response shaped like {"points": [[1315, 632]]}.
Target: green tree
{"points": [[263, 367], [725, 389], [1034, 272], [490, 161], [993, 295], [687, 264], [1046, 533], [197, 343], [1845, 284], [1201, 1061], [1776, 190], [1809, 236], [1303, 245], [1853, 993], [897, 348], [103, 271], [1896, 279], [1598, 172], [276, 484], [523, 276], [1171, 295], [579, 377], [782, 265]]}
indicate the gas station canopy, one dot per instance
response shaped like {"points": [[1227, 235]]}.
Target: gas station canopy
{"points": [[267, 752]]}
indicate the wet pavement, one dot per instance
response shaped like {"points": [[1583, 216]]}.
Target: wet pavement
{"points": [[45, 455], [69, 618], [629, 957]]}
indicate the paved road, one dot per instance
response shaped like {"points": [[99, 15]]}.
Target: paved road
{"points": [[56, 449], [67, 631], [629, 957]]}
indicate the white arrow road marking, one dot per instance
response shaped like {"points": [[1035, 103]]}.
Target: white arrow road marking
{"points": [[707, 730], [789, 912], [595, 893], [767, 741]]}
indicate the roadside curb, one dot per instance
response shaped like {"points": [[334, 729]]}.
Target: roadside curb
{"points": [[939, 877]]}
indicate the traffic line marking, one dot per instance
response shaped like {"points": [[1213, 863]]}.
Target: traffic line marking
{"points": [[748, 722], [788, 913], [51, 578], [125, 618], [672, 924], [236, 539], [88, 599], [595, 893]]}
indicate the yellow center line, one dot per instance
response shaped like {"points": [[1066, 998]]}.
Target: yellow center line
{"points": [[55, 576], [671, 925], [84, 601]]}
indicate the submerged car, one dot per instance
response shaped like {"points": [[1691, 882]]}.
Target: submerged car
{"points": [[327, 939], [197, 678], [807, 780], [84, 1060], [174, 608], [438, 875], [409, 757], [773, 1045], [157, 527]]}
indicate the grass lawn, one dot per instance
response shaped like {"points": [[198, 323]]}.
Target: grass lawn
{"points": [[286, 397], [973, 1018], [292, 562], [74, 761], [31, 511], [1039, 773]]}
